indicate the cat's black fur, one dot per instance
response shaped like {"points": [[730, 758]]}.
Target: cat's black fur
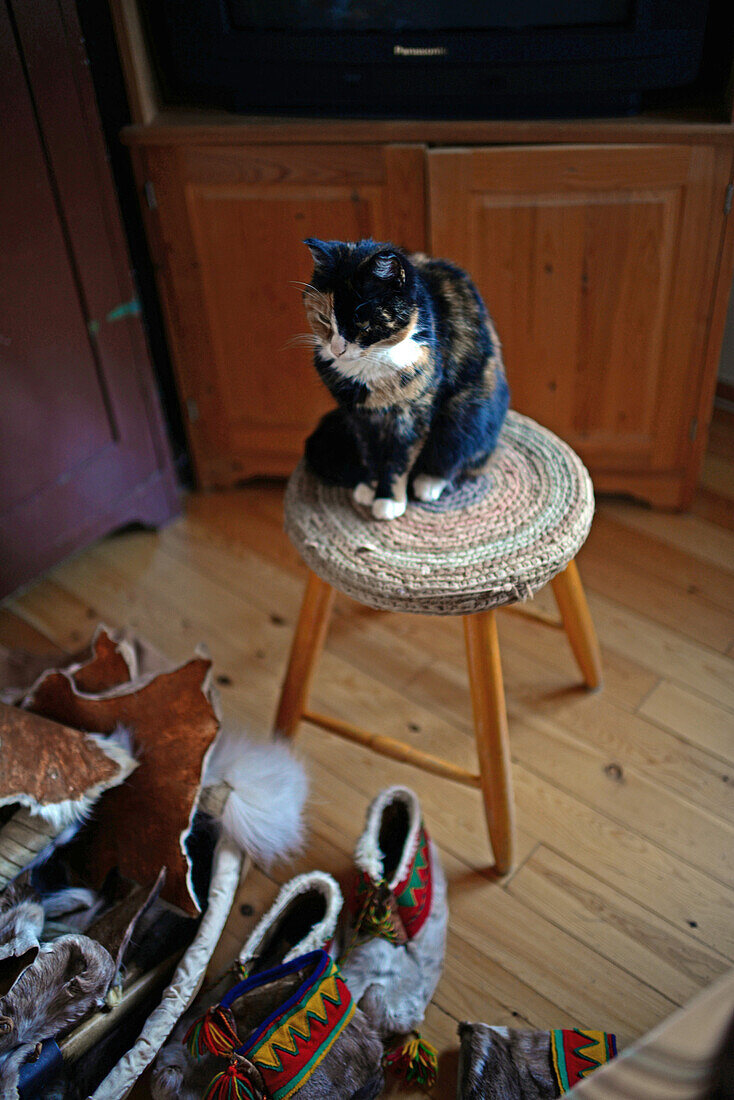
{"points": [[405, 345]]}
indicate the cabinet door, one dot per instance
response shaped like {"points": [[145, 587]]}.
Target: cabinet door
{"points": [[82, 447], [598, 264], [227, 235]]}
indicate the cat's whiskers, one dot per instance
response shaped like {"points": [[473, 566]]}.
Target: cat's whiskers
{"points": [[312, 294], [302, 339]]}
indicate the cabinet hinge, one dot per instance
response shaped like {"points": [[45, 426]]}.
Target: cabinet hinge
{"points": [[693, 428], [150, 196], [728, 198], [193, 410]]}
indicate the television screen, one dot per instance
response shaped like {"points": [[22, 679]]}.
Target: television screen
{"points": [[436, 58], [430, 15]]}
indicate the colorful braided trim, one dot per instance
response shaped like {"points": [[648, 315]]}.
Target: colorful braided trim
{"points": [[575, 1054], [289, 1045]]}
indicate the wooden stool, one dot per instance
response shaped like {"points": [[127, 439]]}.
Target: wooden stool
{"points": [[491, 542]]}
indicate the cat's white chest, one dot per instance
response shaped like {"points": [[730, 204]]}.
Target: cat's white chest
{"points": [[405, 354]]}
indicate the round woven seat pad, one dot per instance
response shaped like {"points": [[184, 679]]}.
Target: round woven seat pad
{"points": [[494, 540]]}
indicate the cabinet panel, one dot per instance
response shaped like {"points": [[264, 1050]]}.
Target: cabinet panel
{"points": [[227, 234], [597, 264]]}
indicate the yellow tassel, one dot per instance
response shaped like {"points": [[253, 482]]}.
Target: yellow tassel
{"points": [[416, 1062]]}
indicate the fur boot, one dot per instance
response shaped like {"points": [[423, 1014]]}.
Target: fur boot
{"points": [[303, 918], [303, 1036], [394, 934], [500, 1063], [68, 978]]}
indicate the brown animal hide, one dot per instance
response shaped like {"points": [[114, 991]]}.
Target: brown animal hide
{"points": [[21, 924], [69, 977], [103, 664], [112, 663], [20, 669], [10, 1067], [141, 826], [44, 764], [116, 927]]}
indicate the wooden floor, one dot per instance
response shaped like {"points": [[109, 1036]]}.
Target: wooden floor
{"points": [[622, 903]]}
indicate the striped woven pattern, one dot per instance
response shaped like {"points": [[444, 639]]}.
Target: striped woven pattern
{"points": [[576, 1054], [491, 541], [293, 1041]]}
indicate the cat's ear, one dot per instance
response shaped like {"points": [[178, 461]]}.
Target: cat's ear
{"points": [[388, 267], [322, 251]]}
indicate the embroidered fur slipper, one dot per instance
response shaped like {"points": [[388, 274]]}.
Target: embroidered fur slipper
{"points": [[302, 918], [291, 1031], [394, 932], [500, 1063]]}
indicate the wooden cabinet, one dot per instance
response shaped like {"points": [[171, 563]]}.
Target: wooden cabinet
{"points": [[599, 264], [226, 227], [604, 249], [606, 265]]}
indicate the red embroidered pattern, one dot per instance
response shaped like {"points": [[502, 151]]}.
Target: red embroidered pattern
{"points": [[414, 893]]}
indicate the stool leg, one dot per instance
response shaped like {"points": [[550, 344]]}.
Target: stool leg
{"points": [[569, 593], [490, 726], [308, 641]]}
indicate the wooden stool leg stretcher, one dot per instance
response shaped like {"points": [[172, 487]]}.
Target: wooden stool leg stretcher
{"points": [[487, 694]]}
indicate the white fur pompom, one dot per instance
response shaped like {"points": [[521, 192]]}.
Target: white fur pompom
{"points": [[264, 812]]}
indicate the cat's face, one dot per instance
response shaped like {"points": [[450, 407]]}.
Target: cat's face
{"points": [[361, 302]]}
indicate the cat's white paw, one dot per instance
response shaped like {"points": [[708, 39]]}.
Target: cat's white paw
{"points": [[426, 487], [384, 508], [363, 493]]}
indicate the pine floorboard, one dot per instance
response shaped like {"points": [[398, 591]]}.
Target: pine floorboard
{"points": [[621, 906]]}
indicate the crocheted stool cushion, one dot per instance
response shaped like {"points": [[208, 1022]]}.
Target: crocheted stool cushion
{"points": [[489, 541]]}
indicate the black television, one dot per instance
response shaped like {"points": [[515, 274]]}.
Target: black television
{"points": [[425, 58]]}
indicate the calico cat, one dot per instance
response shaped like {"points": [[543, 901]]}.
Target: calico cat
{"points": [[405, 345]]}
